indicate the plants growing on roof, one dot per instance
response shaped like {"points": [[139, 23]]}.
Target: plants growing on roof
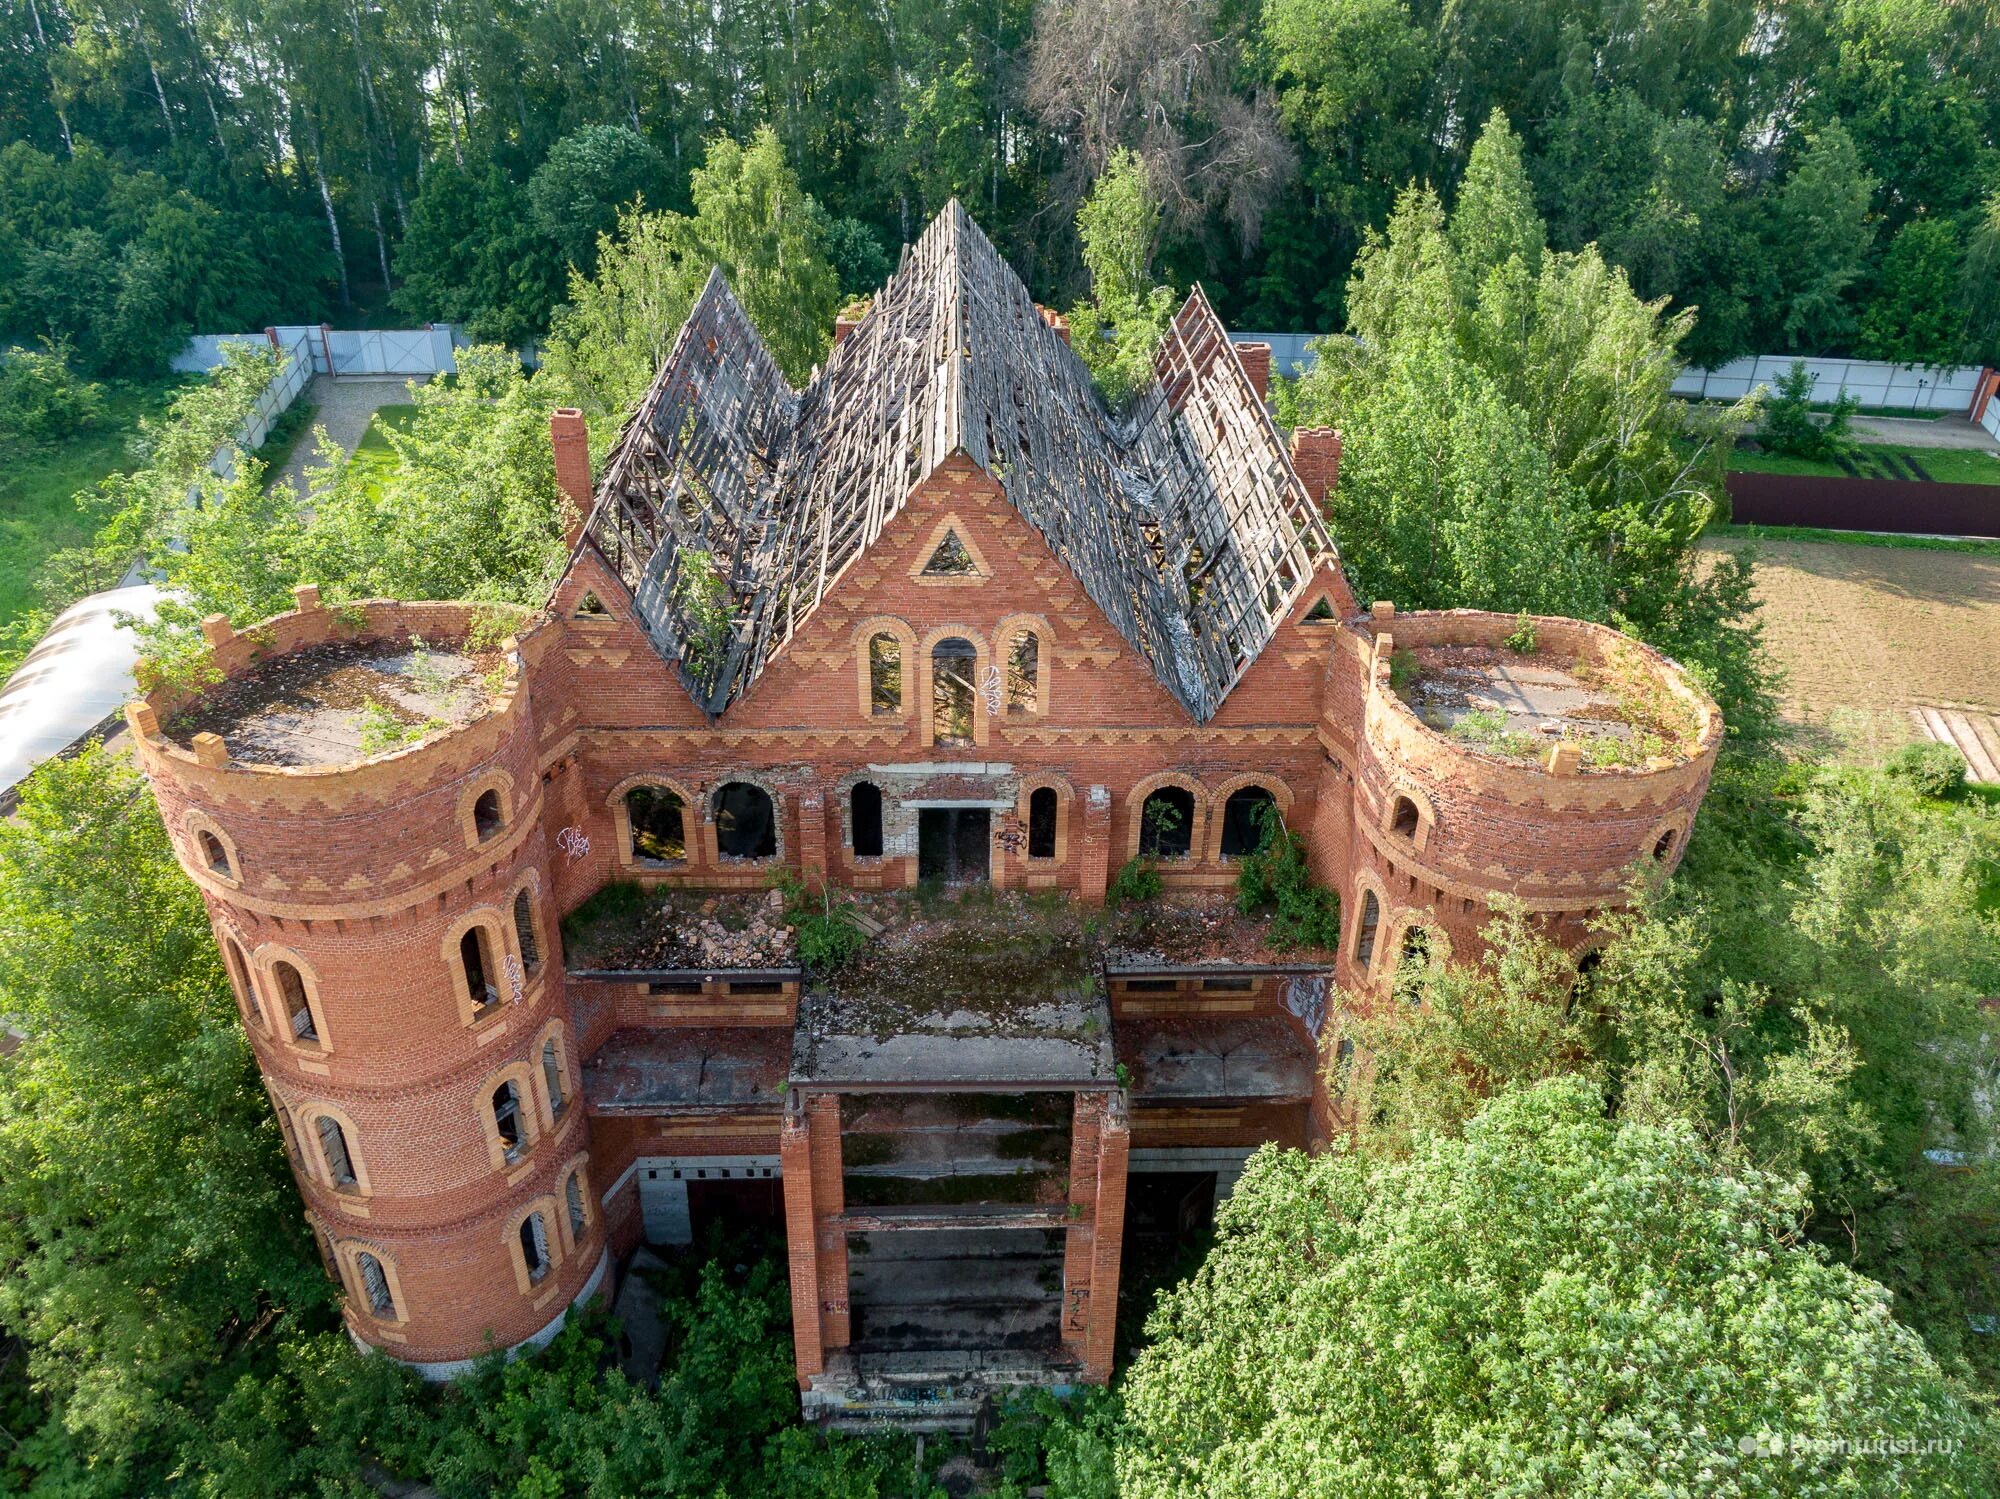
{"points": [[1304, 913]]}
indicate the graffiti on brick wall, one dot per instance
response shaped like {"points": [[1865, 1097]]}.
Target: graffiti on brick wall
{"points": [[993, 687], [574, 842], [515, 981], [1305, 997], [1078, 1317]]}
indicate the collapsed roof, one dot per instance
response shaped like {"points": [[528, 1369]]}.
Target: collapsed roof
{"points": [[731, 503]]}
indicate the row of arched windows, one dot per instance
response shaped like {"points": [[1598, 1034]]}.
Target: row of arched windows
{"points": [[656, 818], [1169, 821], [287, 1001], [537, 1240], [1015, 687]]}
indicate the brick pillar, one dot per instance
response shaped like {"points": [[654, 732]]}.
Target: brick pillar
{"points": [[570, 438], [1316, 460], [795, 1160], [1094, 867], [1079, 1256], [812, 834], [829, 1200], [1114, 1146], [1058, 324], [1256, 361], [845, 322]]}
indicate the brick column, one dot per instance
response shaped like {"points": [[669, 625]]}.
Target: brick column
{"points": [[1114, 1144], [1256, 361], [1094, 848], [795, 1160], [570, 438], [812, 834], [1079, 1254], [1316, 460], [829, 1200]]}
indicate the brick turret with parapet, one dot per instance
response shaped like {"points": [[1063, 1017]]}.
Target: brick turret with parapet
{"points": [[944, 635]]}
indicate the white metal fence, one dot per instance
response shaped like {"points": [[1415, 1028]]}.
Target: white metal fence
{"points": [[1870, 381], [429, 350]]}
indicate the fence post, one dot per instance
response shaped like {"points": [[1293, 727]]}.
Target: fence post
{"points": [[326, 343]]}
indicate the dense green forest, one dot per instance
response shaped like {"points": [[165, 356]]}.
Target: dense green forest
{"points": [[1821, 175]]}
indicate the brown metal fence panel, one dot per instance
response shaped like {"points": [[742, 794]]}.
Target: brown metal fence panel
{"points": [[1901, 505]]}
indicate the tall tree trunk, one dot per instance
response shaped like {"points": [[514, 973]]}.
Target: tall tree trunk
{"points": [[152, 68], [332, 223], [381, 241], [55, 99]]}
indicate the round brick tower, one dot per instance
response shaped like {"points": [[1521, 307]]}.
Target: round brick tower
{"points": [[383, 910], [1548, 809]]}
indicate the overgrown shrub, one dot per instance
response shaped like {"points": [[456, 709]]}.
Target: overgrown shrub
{"points": [[43, 400], [1930, 769], [1304, 913], [1790, 426], [1139, 880], [827, 938]]}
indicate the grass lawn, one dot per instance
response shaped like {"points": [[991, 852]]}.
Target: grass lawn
{"points": [[373, 456], [1856, 538], [38, 513], [1878, 460]]}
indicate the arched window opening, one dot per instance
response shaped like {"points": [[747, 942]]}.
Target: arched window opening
{"points": [[285, 1129], [292, 990], [1364, 933], [573, 1196], [954, 668], [214, 855], [1664, 846], [507, 1120], [333, 1144], [746, 824], [1042, 823], [479, 974], [375, 1285], [659, 828], [1586, 976], [1244, 820], [1166, 823], [239, 975], [885, 674], [1416, 946], [486, 818], [552, 1075], [1024, 673], [864, 810], [535, 1246], [1404, 822], [524, 930]]}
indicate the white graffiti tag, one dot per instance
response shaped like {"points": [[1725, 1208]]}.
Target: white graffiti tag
{"points": [[991, 686], [573, 842]]}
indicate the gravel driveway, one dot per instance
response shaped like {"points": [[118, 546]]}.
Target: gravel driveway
{"points": [[343, 408], [1917, 432]]}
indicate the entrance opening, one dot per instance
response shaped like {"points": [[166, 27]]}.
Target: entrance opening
{"points": [[954, 844]]}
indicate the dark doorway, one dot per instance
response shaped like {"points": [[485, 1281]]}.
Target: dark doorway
{"points": [[953, 844], [735, 1205]]}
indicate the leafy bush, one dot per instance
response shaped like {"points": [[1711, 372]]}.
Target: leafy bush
{"points": [[1304, 913], [43, 400], [1139, 880], [1930, 769], [1522, 640], [1791, 427], [827, 938]]}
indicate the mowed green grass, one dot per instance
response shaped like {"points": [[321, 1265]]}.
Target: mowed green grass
{"points": [[38, 513], [1944, 465], [374, 459]]}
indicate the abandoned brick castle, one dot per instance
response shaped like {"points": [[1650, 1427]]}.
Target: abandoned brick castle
{"points": [[941, 634]]}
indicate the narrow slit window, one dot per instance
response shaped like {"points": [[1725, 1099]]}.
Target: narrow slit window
{"points": [[573, 1193], [864, 810], [507, 1120], [239, 975], [1664, 846], [1042, 823], [333, 1144], [375, 1285], [659, 825], [535, 1246], [885, 674], [1364, 935], [486, 818], [1024, 673], [524, 931], [292, 989], [214, 855], [473, 957], [1416, 946], [1404, 822], [954, 667], [552, 1075]]}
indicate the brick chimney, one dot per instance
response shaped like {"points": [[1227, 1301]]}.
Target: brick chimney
{"points": [[849, 318], [570, 438], [1256, 362], [1316, 460], [1055, 320]]}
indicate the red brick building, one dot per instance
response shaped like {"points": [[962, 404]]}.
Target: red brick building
{"points": [[943, 635]]}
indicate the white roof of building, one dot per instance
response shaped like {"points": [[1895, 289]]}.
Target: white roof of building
{"points": [[77, 676]]}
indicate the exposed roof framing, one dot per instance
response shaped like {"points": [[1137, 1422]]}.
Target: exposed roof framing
{"points": [[1182, 520]]}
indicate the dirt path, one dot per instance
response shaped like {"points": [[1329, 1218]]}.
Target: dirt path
{"points": [[344, 407], [1871, 637], [1921, 432]]}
